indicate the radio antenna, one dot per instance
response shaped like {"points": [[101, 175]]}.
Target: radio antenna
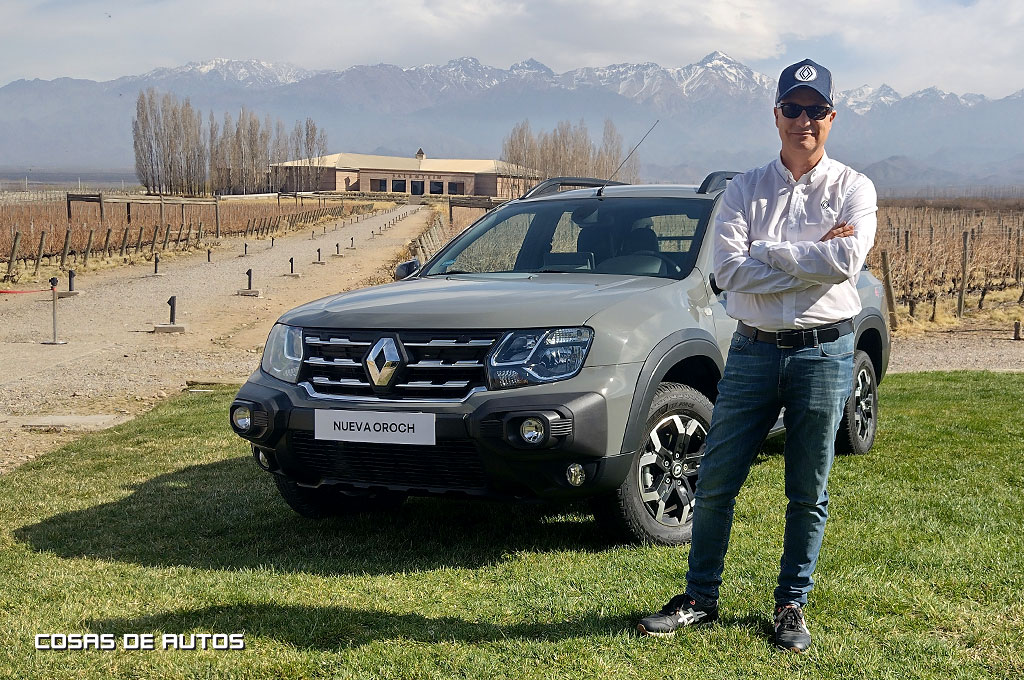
{"points": [[600, 191]]}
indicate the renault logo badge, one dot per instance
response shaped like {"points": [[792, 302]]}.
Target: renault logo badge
{"points": [[806, 74], [382, 361]]}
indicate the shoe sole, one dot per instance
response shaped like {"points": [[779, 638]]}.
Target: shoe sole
{"points": [[795, 650], [650, 633]]}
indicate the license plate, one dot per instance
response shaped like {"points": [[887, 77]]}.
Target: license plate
{"points": [[374, 426]]}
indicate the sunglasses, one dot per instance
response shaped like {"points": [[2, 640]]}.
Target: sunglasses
{"points": [[814, 112]]}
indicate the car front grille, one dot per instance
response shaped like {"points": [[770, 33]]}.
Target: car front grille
{"points": [[450, 465], [435, 365]]}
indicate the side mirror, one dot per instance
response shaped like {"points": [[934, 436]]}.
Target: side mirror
{"points": [[714, 286], [407, 269]]}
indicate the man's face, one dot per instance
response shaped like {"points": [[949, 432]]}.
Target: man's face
{"points": [[803, 135]]}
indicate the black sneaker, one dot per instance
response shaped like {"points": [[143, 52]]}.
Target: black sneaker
{"points": [[680, 611], [790, 629]]}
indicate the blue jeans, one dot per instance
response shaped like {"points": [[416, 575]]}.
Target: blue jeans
{"points": [[812, 383]]}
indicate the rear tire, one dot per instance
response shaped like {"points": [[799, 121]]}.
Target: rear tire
{"points": [[655, 502], [857, 429], [330, 501]]}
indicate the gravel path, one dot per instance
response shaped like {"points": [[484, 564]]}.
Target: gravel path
{"points": [[113, 364]]}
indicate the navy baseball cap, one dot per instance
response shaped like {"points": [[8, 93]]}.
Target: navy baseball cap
{"points": [[805, 74]]}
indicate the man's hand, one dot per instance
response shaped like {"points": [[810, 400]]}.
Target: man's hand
{"points": [[838, 231]]}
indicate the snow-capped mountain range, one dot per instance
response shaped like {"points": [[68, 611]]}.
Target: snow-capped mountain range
{"points": [[714, 113]]}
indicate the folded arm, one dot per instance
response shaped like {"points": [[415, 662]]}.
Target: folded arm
{"points": [[735, 270], [842, 251]]}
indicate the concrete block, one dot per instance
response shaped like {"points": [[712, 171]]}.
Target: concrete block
{"points": [[250, 292], [169, 328]]}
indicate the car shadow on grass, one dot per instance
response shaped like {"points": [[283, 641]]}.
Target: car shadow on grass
{"points": [[333, 628], [228, 515]]}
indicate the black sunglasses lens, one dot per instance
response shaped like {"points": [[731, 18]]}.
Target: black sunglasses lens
{"points": [[790, 110]]}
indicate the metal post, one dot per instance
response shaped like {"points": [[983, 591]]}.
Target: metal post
{"points": [[248, 273], [156, 263], [209, 255], [172, 301], [53, 290], [71, 280], [291, 265]]}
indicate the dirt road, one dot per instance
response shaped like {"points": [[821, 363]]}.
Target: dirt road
{"points": [[114, 367]]}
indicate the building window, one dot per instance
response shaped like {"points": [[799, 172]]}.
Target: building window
{"points": [[456, 188], [378, 185], [437, 187], [398, 185], [417, 187]]}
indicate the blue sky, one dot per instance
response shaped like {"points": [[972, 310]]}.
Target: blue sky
{"points": [[956, 45]]}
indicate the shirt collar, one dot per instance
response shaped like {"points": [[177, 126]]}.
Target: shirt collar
{"points": [[817, 171]]}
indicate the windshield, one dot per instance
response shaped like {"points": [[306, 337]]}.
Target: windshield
{"points": [[624, 235]]}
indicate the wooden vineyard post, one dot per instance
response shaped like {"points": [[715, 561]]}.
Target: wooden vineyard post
{"points": [[963, 280], [14, 253], [890, 297], [39, 253]]}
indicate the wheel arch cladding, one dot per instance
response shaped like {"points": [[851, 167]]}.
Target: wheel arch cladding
{"points": [[870, 333], [690, 357]]}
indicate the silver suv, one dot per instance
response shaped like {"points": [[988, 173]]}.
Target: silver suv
{"points": [[566, 345]]}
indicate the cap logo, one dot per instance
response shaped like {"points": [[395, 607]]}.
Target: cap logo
{"points": [[806, 73]]}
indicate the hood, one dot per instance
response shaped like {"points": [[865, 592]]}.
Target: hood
{"points": [[477, 301]]}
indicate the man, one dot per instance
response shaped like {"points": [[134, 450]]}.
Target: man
{"points": [[790, 239]]}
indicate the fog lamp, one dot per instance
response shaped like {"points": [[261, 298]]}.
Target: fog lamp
{"points": [[576, 474], [241, 417], [532, 430]]}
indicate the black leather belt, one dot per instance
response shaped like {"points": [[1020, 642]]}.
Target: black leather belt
{"points": [[795, 339]]}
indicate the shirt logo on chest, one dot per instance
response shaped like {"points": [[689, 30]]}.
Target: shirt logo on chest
{"points": [[825, 205]]}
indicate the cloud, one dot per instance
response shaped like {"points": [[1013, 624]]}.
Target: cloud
{"points": [[909, 44]]}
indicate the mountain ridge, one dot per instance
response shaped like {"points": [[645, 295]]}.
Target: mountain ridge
{"points": [[713, 111]]}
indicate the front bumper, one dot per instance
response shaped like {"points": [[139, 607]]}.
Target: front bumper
{"points": [[477, 450]]}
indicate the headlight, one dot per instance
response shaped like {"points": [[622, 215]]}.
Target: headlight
{"points": [[539, 356], [282, 356]]}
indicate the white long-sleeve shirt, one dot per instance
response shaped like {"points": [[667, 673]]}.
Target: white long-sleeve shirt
{"points": [[768, 254]]}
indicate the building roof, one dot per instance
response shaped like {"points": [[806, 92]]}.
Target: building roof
{"points": [[361, 161]]}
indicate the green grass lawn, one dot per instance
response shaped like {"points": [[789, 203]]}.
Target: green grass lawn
{"points": [[164, 525]]}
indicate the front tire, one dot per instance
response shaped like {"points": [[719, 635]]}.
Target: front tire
{"points": [[655, 502], [330, 501], [860, 418]]}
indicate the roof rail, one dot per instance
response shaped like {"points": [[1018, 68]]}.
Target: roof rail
{"points": [[716, 180], [555, 184]]}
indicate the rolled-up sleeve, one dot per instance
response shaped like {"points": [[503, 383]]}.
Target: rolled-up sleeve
{"points": [[735, 269], [835, 260]]}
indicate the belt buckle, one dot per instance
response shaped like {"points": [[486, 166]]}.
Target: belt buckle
{"points": [[780, 343]]}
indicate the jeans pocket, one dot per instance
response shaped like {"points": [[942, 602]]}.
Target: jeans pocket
{"points": [[739, 342], [838, 348]]}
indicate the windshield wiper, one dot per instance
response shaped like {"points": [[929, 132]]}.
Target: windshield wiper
{"points": [[453, 271]]}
